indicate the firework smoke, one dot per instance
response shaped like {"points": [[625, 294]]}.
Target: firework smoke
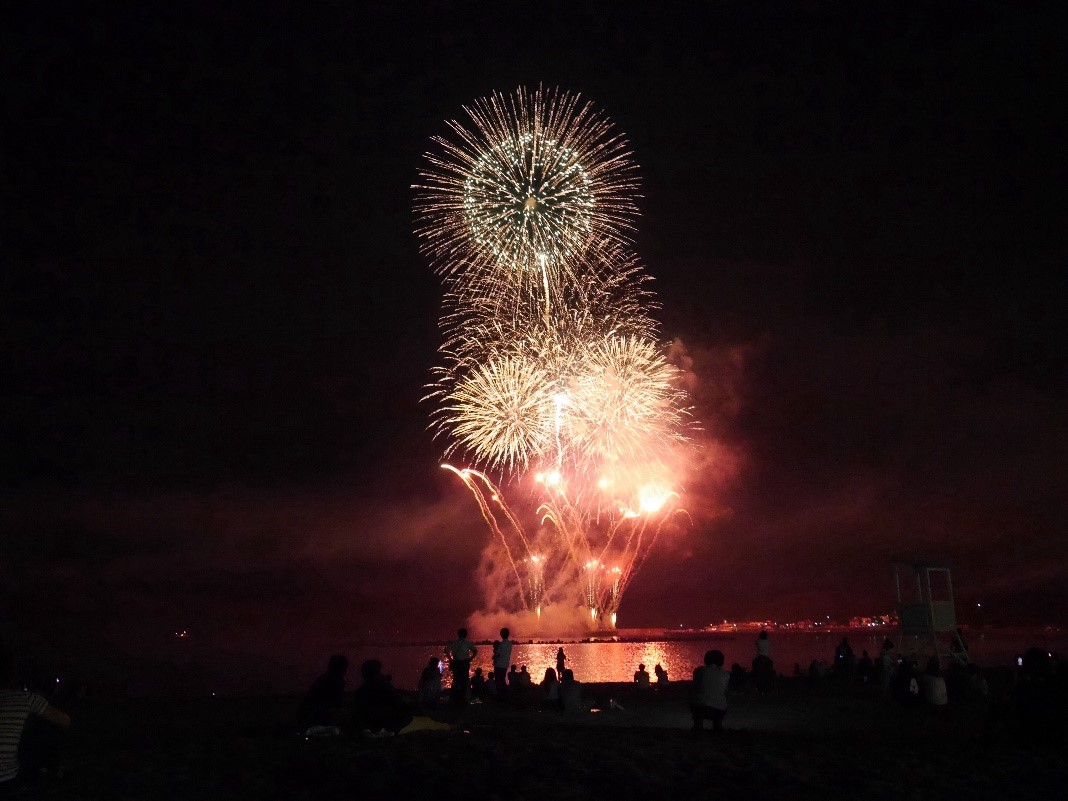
{"points": [[552, 375]]}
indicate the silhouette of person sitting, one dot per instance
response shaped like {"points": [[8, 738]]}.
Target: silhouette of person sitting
{"points": [[641, 677], [709, 692], [323, 704], [376, 705], [738, 676], [844, 660], [934, 684], [571, 693], [430, 683], [16, 708], [661, 676], [1039, 697], [551, 687], [886, 664], [478, 686], [513, 678], [904, 685], [866, 667]]}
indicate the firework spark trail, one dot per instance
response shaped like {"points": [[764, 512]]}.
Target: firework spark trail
{"points": [[578, 550], [536, 580], [499, 499], [610, 287], [487, 514], [551, 366], [627, 561]]}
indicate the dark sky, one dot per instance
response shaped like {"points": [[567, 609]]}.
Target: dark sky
{"points": [[215, 325]]}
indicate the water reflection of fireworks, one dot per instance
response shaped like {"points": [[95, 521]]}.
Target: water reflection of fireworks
{"points": [[552, 374]]}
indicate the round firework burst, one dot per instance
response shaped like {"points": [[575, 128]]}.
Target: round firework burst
{"points": [[501, 412], [518, 199], [499, 390], [625, 406]]}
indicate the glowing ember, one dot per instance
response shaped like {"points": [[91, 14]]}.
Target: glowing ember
{"points": [[651, 498]]}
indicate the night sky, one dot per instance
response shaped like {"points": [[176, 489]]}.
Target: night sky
{"points": [[216, 327]]}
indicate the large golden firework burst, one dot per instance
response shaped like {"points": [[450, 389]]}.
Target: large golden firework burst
{"points": [[522, 192]]}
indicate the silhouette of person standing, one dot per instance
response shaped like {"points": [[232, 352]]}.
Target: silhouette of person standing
{"points": [[460, 651], [502, 657], [560, 659], [844, 660], [763, 667]]}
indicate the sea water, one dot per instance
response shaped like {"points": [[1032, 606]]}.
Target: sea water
{"points": [[608, 661]]}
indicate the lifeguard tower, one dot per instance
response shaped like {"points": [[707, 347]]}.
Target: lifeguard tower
{"points": [[926, 610]]}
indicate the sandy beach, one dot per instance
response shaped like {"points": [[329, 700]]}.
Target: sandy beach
{"points": [[796, 742]]}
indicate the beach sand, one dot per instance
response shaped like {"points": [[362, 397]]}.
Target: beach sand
{"points": [[797, 742]]}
